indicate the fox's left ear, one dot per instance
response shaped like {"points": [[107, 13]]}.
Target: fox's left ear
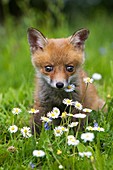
{"points": [[79, 37]]}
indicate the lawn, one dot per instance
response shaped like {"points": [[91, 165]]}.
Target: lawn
{"points": [[16, 91]]}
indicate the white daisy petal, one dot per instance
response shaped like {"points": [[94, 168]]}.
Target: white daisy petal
{"points": [[80, 115], [60, 167], [68, 102], [38, 153], [87, 136], [26, 132], [88, 80], [87, 154], [73, 124], [70, 88], [77, 105], [72, 140], [87, 110], [58, 131], [45, 119], [16, 111], [33, 111], [13, 129], [97, 76]]}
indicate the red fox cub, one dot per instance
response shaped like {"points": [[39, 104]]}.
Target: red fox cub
{"points": [[58, 63]]}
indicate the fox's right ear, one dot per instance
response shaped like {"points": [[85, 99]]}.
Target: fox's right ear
{"points": [[36, 40], [79, 37]]}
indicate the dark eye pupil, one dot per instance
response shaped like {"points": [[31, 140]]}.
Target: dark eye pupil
{"points": [[70, 68], [48, 68]]}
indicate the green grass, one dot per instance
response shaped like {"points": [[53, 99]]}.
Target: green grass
{"points": [[16, 90]]}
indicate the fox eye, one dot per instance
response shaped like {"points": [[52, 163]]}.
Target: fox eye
{"points": [[48, 68], [70, 68]]}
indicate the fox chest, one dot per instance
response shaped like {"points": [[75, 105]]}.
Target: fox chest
{"points": [[54, 98]]}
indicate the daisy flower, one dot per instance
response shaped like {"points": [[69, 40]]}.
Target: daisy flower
{"points": [[68, 102], [64, 114], [87, 136], [16, 111], [95, 128], [72, 140], [87, 110], [38, 153], [54, 113], [97, 76], [60, 167], [70, 88], [13, 129], [77, 105], [63, 128], [58, 131], [73, 124], [33, 111], [59, 152], [45, 119], [108, 96], [99, 129], [87, 154], [26, 132], [81, 154], [90, 128], [88, 80], [80, 115]]}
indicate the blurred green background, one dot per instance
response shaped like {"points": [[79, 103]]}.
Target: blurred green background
{"points": [[55, 18]]}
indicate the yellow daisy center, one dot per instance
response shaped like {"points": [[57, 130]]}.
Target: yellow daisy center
{"points": [[25, 131], [12, 128], [33, 110], [52, 114], [69, 87], [16, 110], [63, 114], [58, 131]]}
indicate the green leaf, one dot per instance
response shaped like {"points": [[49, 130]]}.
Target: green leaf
{"points": [[81, 147]]}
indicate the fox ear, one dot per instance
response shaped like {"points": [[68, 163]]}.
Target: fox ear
{"points": [[36, 40], [79, 37]]}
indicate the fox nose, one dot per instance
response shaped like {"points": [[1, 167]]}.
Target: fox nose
{"points": [[59, 85]]}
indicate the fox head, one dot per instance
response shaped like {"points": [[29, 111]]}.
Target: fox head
{"points": [[57, 60]]}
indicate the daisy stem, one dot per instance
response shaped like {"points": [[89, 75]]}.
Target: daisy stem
{"points": [[73, 158], [34, 128], [48, 160], [67, 121], [13, 120], [78, 128], [56, 158], [70, 109], [86, 121], [11, 136], [66, 138], [93, 165], [65, 109]]}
